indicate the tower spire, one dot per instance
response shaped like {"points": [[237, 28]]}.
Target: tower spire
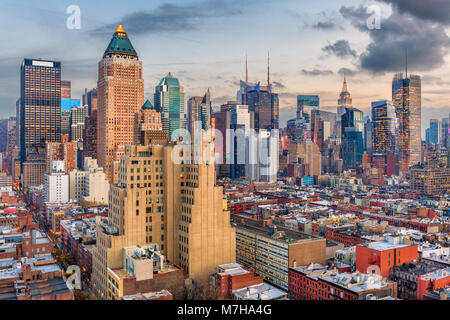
{"points": [[246, 69], [406, 63], [344, 87], [268, 69]]}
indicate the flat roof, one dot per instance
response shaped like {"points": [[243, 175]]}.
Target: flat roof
{"points": [[384, 245]]}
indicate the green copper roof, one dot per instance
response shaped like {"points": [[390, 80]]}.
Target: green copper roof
{"points": [[169, 80], [147, 105], [120, 44]]}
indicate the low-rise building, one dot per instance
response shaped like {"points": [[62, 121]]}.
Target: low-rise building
{"points": [[39, 278], [144, 270], [318, 282], [271, 251], [379, 257]]}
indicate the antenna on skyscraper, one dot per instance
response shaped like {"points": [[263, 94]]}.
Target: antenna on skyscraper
{"points": [[246, 69], [268, 69], [406, 63]]}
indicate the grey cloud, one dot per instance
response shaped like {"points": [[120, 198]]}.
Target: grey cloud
{"points": [[176, 17], [316, 72], [426, 43], [347, 72], [433, 10], [278, 85], [325, 25], [340, 49]]}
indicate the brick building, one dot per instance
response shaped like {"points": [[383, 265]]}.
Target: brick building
{"points": [[233, 276], [38, 278], [317, 282], [380, 257]]}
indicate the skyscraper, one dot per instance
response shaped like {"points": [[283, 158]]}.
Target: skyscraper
{"points": [[90, 98], [407, 100], [435, 131], [90, 136], [262, 101], [344, 100], [169, 101], [352, 138], [384, 132], [40, 113], [120, 96], [199, 110], [77, 121], [176, 206], [305, 105]]}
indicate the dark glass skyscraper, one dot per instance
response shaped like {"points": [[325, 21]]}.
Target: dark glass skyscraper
{"points": [[407, 100], [169, 100], [352, 138], [435, 131], [384, 122], [40, 105]]}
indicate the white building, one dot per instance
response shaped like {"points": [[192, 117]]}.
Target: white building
{"points": [[89, 184], [56, 184]]}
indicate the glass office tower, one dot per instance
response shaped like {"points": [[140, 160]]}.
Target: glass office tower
{"points": [[384, 131], [40, 105], [169, 100], [352, 138], [407, 100]]}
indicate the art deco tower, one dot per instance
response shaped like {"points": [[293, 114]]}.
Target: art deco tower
{"points": [[120, 96], [344, 100]]}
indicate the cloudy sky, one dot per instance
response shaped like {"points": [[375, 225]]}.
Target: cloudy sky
{"points": [[204, 43]]}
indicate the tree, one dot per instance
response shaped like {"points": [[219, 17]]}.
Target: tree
{"points": [[193, 290]]}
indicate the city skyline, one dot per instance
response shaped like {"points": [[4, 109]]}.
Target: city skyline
{"points": [[214, 48]]}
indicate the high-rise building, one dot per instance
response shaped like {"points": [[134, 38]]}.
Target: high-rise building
{"points": [[64, 150], [406, 97], [66, 89], [11, 142], [199, 110], [147, 120], [120, 96], [67, 104], [90, 136], [368, 135], [56, 183], [77, 122], [89, 184], [90, 99], [305, 106], [352, 125], [40, 113], [170, 102], [385, 127], [435, 131], [344, 100], [445, 132], [261, 100], [162, 201]]}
